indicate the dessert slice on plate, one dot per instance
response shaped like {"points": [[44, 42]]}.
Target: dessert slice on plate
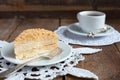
{"points": [[33, 42]]}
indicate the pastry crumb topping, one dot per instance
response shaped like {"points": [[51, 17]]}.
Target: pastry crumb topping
{"points": [[34, 34]]}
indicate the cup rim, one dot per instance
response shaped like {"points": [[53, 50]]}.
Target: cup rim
{"points": [[85, 13]]}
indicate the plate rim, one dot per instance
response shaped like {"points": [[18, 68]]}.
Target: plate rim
{"points": [[85, 34], [60, 60]]}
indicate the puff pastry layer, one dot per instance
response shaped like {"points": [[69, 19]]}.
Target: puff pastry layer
{"points": [[33, 42]]}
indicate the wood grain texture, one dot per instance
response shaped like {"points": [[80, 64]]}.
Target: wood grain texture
{"points": [[7, 26], [116, 24], [42, 8], [36, 7], [50, 24], [105, 64]]}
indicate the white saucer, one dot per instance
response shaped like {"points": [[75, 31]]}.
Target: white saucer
{"points": [[8, 53], [75, 29]]}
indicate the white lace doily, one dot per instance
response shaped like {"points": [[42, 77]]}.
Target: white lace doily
{"points": [[69, 37], [51, 71]]}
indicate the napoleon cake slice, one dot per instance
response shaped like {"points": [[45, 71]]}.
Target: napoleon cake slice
{"points": [[33, 42]]}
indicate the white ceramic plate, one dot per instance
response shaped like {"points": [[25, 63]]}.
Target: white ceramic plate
{"points": [[75, 29], [8, 53]]}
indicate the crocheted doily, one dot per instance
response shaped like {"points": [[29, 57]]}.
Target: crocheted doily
{"points": [[69, 37], [47, 72]]}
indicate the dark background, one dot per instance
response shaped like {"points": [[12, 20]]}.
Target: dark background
{"points": [[56, 8]]}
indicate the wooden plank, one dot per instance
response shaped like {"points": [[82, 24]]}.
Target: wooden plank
{"points": [[115, 23], [15, 2], [42, 7], [50, 24], [37, 5], [111, 14], [40, 14], [7, 27], [57, 2], [54, 8], [109, 3], [65, 22], [69, 5], [105, 64]]}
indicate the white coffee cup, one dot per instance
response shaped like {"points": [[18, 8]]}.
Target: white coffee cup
{"points": [[91, 21]]}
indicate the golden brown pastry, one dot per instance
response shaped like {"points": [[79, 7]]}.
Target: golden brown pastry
{"points": [[33, 42]]}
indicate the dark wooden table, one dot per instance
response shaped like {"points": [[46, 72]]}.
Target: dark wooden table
{"points": [[105, 64]]}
